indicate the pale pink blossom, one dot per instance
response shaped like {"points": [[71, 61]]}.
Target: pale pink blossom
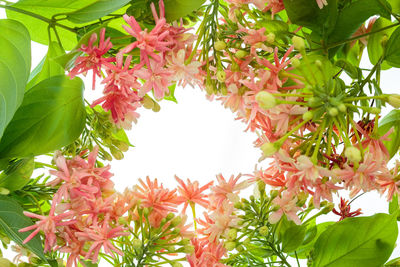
{"points": [[191, 193], [287, 206]]}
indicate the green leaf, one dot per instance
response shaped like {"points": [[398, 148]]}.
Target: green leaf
{"points": [[293, 237], [349, 68], [374, 47], [176, 9], [362, 241], [308, 245], [391, 120], [354, 15], [395, 6], [171, 96], [307, 13], [96, 10], [15, 65], [51, 116], [49, 67], [314, 74], [12, 220], [38, 29], [392, 55], [17, 174], [394, 204]]}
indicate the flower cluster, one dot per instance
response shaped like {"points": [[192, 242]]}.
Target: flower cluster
{"points": [[163, 54]]}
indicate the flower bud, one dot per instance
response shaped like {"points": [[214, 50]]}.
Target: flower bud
{"points": [[189, 249], [240, 54], [117, 154], [147, 102], [353, 154], [342, 108], [308, 116], [273, 193], [333, 112], [263, 230], [230, 245], [270, 37], [136, 243], [156, 107], [314, 102], [295, 62], [170, 216], [4, 191], [232, 234], [265, 100], [394, 101], [220, 45], [269, 149], [185, 241], [221, 76], [328, 208], [176, 221], [298, 43], [318, 63]]}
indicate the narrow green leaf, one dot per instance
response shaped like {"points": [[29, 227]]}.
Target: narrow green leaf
{"points": [[15, 65], [50, 67], [393, 262], [176, 9], [392, 55], [51, 116], [96, 10], [12, 220], [361, 241]]}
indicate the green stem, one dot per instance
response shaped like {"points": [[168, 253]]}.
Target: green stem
{"points": [[350, 99], [49, 21], [315, 153], [192, 206]]}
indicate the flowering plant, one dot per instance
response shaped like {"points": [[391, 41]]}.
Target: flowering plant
{"points": [[289, 69]]}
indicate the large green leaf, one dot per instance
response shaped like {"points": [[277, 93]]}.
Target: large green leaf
{"points": [[176, 9], [15, 65], [307, 13], [12, 220], [354, 15], [51, 116], [38, 28], [96, 10], [362, 241], [48, 67], [392, 55], [391, 120], [17, 174], [293, 237]]}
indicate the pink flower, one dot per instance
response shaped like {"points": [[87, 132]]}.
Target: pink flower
{"points": [[276, 6], [148, 43], [287, 206], [191, 193], [366, 176], [47, 224], [181, 71], [157, 78], [206, 254], [226, 190], [94, 60], [100, 237], [322, 3]]}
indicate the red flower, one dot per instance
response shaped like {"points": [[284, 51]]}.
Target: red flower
{"points": [[344, 210]]}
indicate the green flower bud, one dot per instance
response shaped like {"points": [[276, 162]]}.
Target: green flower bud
{"points": [[263, 230], [266, 100], [147, 102], [270, 37], [298, 43], [240, 54], [4, 191], [394, 101], [333, 112], [273, 193], [185, 241], [176, 221], [156, 107], [295, 62], [342, 108], [221, 76], [269, 149], [353, 154], [232, 234], [170, 216], [137, 243], [230, 245], [308, 116], [318, 63], [328, 208], [117, 154], [189, 249], [220, 45]]}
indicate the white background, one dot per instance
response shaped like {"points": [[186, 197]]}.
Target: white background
{"points": [[198, 139]]}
